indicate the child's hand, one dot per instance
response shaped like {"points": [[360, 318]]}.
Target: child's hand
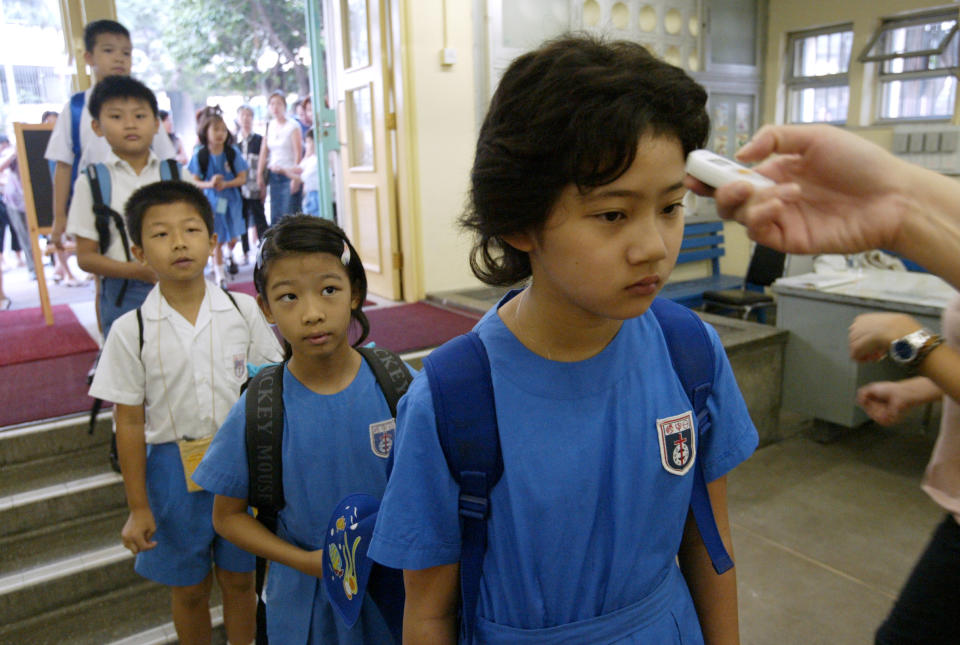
{"points": [[138, 532], [295, 184], [871, 334], [217, 181]]}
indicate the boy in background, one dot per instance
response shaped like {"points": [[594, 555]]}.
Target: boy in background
{"points": [[73, 144], [124, 114], [173, 368]]}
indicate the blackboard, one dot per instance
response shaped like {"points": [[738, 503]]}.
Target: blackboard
{"points": [[35, 138]]}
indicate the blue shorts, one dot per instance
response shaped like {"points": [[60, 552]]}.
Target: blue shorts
{"points": [[187, 545], [133, 297]]}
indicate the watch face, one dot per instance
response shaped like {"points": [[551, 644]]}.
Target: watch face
{"points": [[903, 350]]}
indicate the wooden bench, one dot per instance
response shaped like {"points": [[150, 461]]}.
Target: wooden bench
{"points": [[701, 241]]}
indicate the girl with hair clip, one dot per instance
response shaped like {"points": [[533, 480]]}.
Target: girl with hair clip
{"points": [[219, 168], [311, 284]]}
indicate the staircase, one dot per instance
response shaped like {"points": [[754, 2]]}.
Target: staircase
{"points": [[64, 577]]}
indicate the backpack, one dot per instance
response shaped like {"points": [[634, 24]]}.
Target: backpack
{"points": [[264, 436], [203, 159], [458, 373], [99, 177]]}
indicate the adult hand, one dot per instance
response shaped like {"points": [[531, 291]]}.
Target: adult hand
{"points": [[836, 192], [871, 334], [885, 401], [137, 533]]}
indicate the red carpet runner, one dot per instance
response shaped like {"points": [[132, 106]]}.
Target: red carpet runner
{"points": [[43, 369], [406, 328]]}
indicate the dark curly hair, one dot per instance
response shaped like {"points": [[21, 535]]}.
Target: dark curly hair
{"points": [[570, 112], [300, 234]]}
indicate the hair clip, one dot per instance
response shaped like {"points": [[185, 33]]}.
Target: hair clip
{"points": [[345, 256]]}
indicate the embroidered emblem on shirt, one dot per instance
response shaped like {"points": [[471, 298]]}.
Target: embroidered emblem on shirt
{"points": [[381, 437], [677, 442], [239, 365]]}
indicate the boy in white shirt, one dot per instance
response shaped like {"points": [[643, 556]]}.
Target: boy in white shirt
{"points": [[307, 170], [125, 116], [174, 368], [73, 144]]}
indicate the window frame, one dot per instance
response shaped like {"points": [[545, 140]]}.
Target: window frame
{"points": [[793, 82], [884, 78]]}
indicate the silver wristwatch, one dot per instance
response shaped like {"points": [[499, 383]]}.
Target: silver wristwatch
{"points": [[910, 350]]}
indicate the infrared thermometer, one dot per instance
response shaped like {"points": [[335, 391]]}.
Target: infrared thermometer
{"points": [[716, 171]]}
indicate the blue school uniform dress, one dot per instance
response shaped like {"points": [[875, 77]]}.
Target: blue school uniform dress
{"points": [[329, 451], [587, 519], [227, 204]]}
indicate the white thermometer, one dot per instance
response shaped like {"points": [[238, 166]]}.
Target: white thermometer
{"points": [[714, 170]]}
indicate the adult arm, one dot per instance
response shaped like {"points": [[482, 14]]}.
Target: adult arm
{"points": [[714, 596], [92, 261], [231, 520], [138, 531], [870, 338], [887, 401], [838, 193], [430, 608]]}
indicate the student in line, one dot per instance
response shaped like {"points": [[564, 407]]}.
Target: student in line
{"points": [[577, 183], [108, 53], [311, 284], [219, 168], [125, 116], [173, 381], [254, 215], [308, 173]]}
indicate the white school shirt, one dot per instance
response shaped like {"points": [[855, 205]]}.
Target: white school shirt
{"points": [[93, 149], [280, 143], [309, 177], [181, 391], [81, 219]]}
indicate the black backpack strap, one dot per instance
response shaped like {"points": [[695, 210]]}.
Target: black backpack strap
{"points": [[264, 438], [140, 330], [169, 170], [203, 160], [391, 373], [230, 155]]}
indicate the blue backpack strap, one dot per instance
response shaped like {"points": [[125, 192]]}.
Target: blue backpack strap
{"points": [[459, 376], [77, 102], [692, 355]]}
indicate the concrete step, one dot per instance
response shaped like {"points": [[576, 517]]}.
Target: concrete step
{"points": [[138, 614], [30, 592], [42, 507], [55, 469], [59, 541], [62, 436]]}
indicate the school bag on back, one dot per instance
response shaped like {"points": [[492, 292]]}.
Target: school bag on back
{"points": [[458, 373], [347, 573]]}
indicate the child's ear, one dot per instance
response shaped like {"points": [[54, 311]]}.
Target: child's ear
{"points": [[88, 58], [265, 308], [520, 240], [95, 125], [213, 243], [138, 253]]}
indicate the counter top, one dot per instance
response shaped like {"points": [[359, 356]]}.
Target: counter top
{"points": [[907, 291]]}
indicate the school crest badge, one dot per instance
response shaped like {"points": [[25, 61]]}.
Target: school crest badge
{"points": [[239, 365], [381, 437], [678, 442]]}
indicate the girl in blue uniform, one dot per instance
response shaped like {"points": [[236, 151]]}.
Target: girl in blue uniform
{"points": [[577, 184], [220, 177], [311, 285]]}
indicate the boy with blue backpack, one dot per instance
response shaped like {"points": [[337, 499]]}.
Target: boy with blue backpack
{"points": [[73, 144], [560, 472], [125, 114]]}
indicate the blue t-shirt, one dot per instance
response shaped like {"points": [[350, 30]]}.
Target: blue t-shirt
{"points": [[586, 519], [329, 451]]}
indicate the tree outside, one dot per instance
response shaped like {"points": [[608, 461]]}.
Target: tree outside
{"points": [[219, 47]]}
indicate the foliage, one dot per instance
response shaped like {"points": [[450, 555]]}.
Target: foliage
{"points": [[208, 47], [38, 13]]}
